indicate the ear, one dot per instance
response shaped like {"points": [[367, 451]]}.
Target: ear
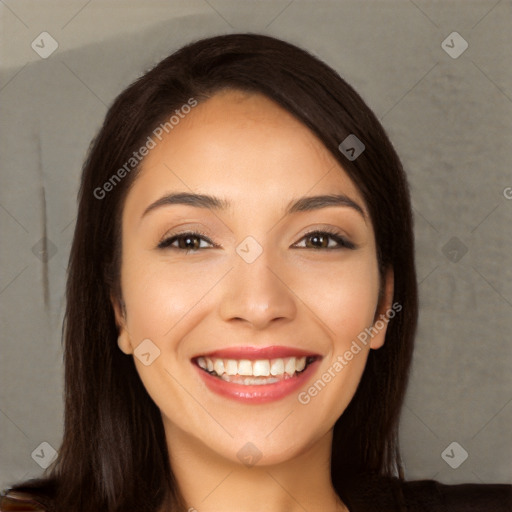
{"points": [[123, 339], [382, 318]]}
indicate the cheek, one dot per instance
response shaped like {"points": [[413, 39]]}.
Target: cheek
{"points": [[163, 302], [345, 300], [344, 297], [158, 293]]}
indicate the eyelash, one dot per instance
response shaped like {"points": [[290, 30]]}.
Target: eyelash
{"points": [[343, 242]]}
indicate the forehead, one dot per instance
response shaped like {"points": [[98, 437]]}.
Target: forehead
{"points": [[242, 146]]}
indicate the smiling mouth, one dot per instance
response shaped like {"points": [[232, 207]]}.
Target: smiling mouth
{"points": [[254, 372]]}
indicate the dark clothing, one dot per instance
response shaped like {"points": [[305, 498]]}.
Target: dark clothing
{"points": [[382, 494], [373, 493]]}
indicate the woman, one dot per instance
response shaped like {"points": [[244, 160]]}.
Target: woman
{"points": [[241, 300]]}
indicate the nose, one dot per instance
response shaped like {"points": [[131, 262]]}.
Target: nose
{"points": [[257, 294]]}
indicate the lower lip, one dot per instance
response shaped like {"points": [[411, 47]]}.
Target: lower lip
{"points": [[257, 394]]}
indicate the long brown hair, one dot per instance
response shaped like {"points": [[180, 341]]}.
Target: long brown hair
{"points": [[114, 455]]}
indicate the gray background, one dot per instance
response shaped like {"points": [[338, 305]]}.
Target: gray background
{"points": [[450, 120]]}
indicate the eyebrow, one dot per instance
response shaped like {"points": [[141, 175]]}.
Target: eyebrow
{"points": [[302, 204]]}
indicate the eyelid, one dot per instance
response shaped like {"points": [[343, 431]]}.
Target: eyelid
{"points": [[342, 241]]}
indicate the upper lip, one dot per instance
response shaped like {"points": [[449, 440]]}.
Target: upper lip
{"points": [[255, 353]]}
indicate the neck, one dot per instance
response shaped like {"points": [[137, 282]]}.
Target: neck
{"points": [[212, 483]]}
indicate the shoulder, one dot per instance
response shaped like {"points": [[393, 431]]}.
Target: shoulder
{"points": [[370, 492], [13, 501], [34, 495]]}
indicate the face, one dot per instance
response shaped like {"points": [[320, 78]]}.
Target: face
{"points": [[242, 311]]}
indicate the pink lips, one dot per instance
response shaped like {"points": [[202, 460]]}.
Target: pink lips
{"points": [[257, 394]]}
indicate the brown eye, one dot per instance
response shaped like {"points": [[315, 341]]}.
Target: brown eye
{"points": [[319, 241], [326, 240], [185, 242]]}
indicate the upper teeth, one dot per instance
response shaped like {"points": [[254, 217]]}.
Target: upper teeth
{"points": [[260, 367]]}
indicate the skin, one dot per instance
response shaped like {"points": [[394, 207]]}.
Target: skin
{"points": [[246, 149]]}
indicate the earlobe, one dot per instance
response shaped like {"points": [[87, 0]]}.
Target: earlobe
{"points": [[382, 316], [124, 344]]}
